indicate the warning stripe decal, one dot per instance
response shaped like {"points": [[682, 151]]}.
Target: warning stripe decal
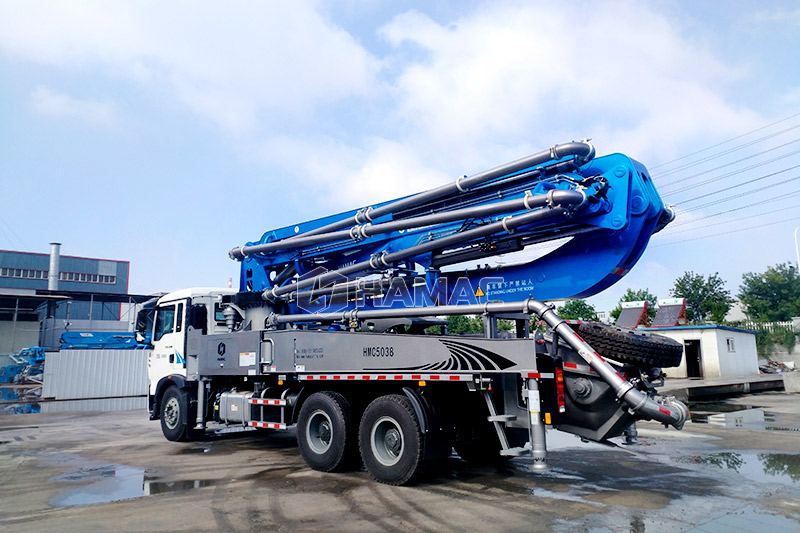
{"points": [[386, 377], [268, 425], [579, 368], [408, 377], [267, 401]]}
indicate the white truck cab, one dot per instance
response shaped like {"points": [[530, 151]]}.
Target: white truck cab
{"points": [[176, 312]]}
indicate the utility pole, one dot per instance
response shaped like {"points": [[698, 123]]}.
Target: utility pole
{"points": [[797, 246]]}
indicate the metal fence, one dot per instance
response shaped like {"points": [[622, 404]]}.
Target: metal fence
{"points": [[84, 374], [767, 326]]}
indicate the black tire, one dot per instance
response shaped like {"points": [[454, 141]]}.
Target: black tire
{"points": [[391, 441], [176, 414], [631, 346], [325, 432]]}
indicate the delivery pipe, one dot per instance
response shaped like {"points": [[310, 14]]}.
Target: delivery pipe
{"points": [[667, 411], [358, 232], [386, 260], [583, 152]]}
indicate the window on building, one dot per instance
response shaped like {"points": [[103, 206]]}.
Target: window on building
{"points": [[22, 273], [165, 319], [82, 277], [731, 344], [31, 273]]}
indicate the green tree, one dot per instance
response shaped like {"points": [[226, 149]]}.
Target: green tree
{"points": [[637, 296], [706, 298], [577, 310], [461, 324], [772, 295]]}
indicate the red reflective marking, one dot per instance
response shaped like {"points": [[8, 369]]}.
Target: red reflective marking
{"points": [[454, 378], [365, 377], [309, 378], [399, 376], [665, 411], [534, 375], [381, 377], [570, 365], [337, 376], [351, 377], [434, 376], [323, 377], [416, 376]]}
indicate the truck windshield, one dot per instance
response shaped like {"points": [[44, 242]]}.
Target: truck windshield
{"points": [[144, 323]]}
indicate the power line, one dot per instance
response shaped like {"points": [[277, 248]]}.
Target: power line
{"points": [[748, 206], [751, 191], [751, 156], [658, 245], [732, 173], [725, 141], [668, 233], [725, 152]]}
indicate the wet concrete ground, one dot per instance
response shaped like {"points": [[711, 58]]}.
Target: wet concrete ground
{"points": [[114, 471]]}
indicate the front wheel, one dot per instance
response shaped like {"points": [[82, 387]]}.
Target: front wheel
{"points": [[175, 414], [390, 440]]}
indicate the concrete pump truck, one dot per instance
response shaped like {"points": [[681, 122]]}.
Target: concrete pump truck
{"points": [[337, 329]]}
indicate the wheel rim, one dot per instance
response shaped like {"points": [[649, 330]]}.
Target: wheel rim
{"points": [[172, 412], [319, 431], [386, 441]]}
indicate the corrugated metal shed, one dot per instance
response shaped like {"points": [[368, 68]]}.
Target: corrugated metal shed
{"points": [[83, 374], [107, 404]]}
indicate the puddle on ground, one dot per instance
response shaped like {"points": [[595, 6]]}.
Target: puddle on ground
{"points": [[105, 483], [746, 521], [733, 415], [561, 440], [781, 468]]}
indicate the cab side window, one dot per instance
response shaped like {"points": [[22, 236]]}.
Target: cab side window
{"points": [[165, 321]]}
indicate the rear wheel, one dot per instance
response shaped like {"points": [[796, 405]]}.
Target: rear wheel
{"points": [[176, 414], [325, 433], [390, 440]]}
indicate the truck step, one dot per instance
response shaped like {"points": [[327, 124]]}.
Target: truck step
{"points": [[501, 418], [268, 401], [515, 452], [268, 425]]}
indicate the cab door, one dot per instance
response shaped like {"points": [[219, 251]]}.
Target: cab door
{"points": [[169, 342]]}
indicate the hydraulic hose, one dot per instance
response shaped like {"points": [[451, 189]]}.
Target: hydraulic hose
{"points": [[359, 232], [582, 152], [386, 260]]}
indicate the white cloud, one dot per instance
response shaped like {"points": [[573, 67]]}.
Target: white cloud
{"points": [[539, 73], [781, 16], [239, 64], [347, 177], [51, 103], [502, 80]]}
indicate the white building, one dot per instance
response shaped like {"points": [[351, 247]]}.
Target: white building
{"points": [[712, 351]]}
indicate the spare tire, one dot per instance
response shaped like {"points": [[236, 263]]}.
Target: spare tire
{"points": [[631, 346]]}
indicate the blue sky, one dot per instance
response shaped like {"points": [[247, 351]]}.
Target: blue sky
{"points": [[168, 133]]}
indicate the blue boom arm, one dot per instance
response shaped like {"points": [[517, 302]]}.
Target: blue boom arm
{"points": [[425, 249]]}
